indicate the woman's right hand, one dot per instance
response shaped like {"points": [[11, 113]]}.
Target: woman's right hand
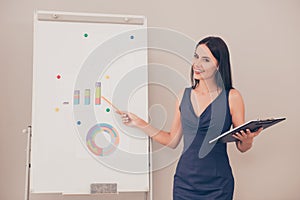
{"points": [[130, 119]]}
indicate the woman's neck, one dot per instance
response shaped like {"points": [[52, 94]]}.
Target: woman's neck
{"points": [[207, 86]]}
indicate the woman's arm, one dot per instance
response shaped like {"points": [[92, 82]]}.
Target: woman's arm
{"points": [[170, 139], [237, 110]]}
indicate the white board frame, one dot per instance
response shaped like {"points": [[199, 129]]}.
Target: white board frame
{"points": [[79, 18]]}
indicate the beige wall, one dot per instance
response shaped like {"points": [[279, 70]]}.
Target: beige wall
{"points": [[263, 37]]}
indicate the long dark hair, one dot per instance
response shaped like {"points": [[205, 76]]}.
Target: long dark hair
{"points": [[220, 51]]}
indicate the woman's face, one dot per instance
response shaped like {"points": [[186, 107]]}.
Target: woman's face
{"points": [[204, 63]]}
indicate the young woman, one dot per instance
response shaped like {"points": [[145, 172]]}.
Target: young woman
{"points": [[210, 102]]}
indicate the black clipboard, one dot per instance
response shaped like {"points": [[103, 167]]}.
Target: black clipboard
{"points": [[253, 125]]}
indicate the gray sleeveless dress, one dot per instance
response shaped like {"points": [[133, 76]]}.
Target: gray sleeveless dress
{"points": [[203, 171]]}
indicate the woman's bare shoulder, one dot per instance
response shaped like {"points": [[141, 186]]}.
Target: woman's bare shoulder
{"points": [[235, 95], [235, 100]]}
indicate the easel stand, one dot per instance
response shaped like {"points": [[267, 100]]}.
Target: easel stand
{"points": [[28, 152]]}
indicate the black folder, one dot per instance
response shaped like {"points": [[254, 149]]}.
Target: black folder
{"points": [[252, 125]]}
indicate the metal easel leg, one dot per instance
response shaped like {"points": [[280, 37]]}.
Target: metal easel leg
{"points": [[28, 152]]}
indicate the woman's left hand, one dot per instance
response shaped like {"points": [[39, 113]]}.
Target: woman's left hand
{"points": [[247, 137]]}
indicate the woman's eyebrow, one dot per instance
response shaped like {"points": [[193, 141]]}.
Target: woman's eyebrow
{"points": [[205, 57]]}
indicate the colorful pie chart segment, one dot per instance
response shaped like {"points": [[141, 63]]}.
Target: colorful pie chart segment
{"points": [[102, 128]]}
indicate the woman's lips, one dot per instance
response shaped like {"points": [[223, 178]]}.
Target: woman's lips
{"points": [[198, 71]]}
